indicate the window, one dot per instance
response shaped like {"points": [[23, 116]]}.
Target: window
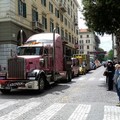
{"points": [[56, 13], [68, 24], [44, 22], [69, 37], [68, 10], [66, 35], [65, 21], [72, 39], [81, 47], [43, 2], [80, 36], [50, 7], [51, 25], [87, 41], [62, 32], [34, 15], [57, 28], [22, 8], [61, 17], [87, 46], [30, 51], [87, 36], [81, 41]]}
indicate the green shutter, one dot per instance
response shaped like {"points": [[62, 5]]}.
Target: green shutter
{"points": [[24, 10]]}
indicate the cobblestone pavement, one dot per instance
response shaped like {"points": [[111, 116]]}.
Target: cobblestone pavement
{"points": [[85, 98]]}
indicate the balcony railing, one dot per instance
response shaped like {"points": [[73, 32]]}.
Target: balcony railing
{"points": [[37, 26], [64, 40], [62, 6]]}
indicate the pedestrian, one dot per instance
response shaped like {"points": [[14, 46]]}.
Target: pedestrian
{"points": [[111, 70], [116, 78]]}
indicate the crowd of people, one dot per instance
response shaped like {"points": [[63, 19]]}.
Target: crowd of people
{"points": [[112, 74]]}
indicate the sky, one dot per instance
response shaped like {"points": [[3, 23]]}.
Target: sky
{"points": [[105, 41]]}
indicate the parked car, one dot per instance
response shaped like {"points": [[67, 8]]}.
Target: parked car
{"points": [[92, 66]]}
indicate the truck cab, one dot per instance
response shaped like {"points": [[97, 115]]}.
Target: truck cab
{"points": [[38, 63]]}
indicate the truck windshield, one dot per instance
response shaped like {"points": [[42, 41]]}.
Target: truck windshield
{"points": [[30, 51]]}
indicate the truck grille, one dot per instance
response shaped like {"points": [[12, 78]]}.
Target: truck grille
{"points": [[16, 68]]}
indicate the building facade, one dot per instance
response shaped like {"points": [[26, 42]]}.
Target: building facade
{"points": [[19, 19], [88, 43]]}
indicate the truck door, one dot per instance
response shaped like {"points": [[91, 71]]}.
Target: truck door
{"points": [[46, 58]]}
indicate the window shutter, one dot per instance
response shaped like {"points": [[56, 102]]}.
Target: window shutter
{"points": [[36, 16], [19, 7], [45, 23], [32, 15], [24, 10]]}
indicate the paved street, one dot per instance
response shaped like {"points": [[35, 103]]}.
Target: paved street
{"points": [[85, 98]]}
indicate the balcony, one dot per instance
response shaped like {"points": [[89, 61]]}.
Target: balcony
{"points": [[75, 22], [62, 6], [37, 26], [64, 40]]}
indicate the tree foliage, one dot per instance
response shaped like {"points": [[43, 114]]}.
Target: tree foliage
{"points": [[110, 55], [100, 56], [102, 16]]}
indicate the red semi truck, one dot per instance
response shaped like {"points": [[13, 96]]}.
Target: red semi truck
{"points": [[38, 63]]}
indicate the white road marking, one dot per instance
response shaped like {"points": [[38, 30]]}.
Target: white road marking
{"points": [[82, 78], [18, 112], [111, 113], [7, 104], [102, 79], [92, 78], [80, 113], [49, 112]]}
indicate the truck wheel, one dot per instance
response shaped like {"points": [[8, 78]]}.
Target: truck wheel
{"points": [[3, 91], [41, 84], [68, 76]]}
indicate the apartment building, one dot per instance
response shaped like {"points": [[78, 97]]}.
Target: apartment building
{"points": [[19, 19], [88, 43]]}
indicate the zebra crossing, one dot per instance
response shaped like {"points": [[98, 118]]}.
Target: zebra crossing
{"points": [[92, 78], [79, 112]]}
